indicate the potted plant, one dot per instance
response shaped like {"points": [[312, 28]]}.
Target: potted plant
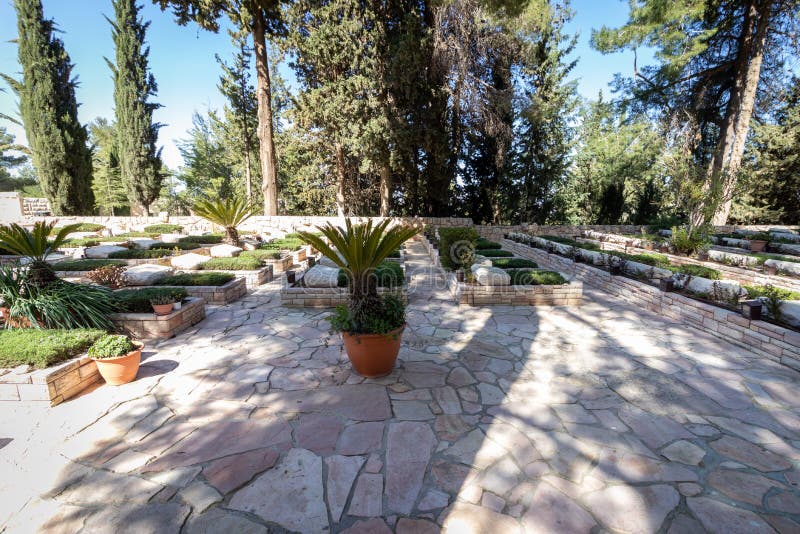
{"points": [[371, 324], [759, 241], [117, 358], [162, 304]]}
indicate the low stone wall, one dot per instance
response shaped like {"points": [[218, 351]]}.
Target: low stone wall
{"points": [[9, 260], [280, 266], [216, 295], [476, 295], [322, 297], [152, 326], [253, 279], [777, 343], [54, 384]]}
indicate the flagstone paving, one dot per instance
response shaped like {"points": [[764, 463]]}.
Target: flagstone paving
{"points": [[603, 418]]}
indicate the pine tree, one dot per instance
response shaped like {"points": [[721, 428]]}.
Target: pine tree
{"points": [[49, 111], [137, 135], [109, 190]]}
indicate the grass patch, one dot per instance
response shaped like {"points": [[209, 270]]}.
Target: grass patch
{"points": [[287, 243], [82, 227], [84, 265], [261, 255], [762, 291], [571, 242], [652, 259], [41, 347], [389, 274], [196, 279], [164, 228], [138, 300], [485, 244], [492, 253], [173, 246], [697, 270], [526, 277], [514, 263], [139, 254], [210, 239], [246, 263]]}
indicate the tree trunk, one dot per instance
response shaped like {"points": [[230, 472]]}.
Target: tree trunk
{"points": [[727, 158], [145, 210], [341, 178], [248, 179], [386, 190], [266, 145]]}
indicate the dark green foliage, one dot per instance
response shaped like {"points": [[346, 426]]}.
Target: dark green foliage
{"points": [[49, 110], [286, 243], [172, 246], [763, 291], [577, 244], [151, 235], [110, 193], [196, 279], [261, 254], [139, 254], [81, 242], [35, 245], [137, 134], [656, 260], [138, 300], [388, 274], [110, 346], [208, 239], [163, 229], [387, 314], [242, 263], [395, 254], [527, 277], [457, 247], [698, 270], [514, 263], [493, 253], [43, 347], [80, 227], [484, 244]]}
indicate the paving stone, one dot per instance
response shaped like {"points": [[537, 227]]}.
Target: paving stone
{"points": [[218, 521], [550, 511], [360, 438], [784, 502], [465, 518], [227, 474], [750, 454], [690, 489], [342, 471], [447, 398], [407, 454], [374, 464], [654, 430], [369, 526], [492, 502], [433, 500], [740, 486], [424, 374], [199, 496], [361, 402], [165, 518], [416, 526], [318, 433], [633, 509], [684, 524], [412, 410], [460, 377], [295, 483], [574, 413], [367, 496], [720, 518], [490, 394], [178, 478], [684, 452], [103, 487], [451, 427]]}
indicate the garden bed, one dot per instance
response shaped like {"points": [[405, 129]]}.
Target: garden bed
{"points": [[323, 297], [152, 326], [216, 295], [253, 278], [570, 294]]}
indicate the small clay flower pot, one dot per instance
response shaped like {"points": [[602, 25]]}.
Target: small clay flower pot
{"points": [[122, 369], [163, 309], [758, 245]]}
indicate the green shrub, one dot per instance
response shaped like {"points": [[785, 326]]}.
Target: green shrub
{"points": [[110, 346], [138, 300], [81, 242], [139, 254], [685, 243], [196, 279], [282, 244], [388, 314], [173, 246], [246, 263], [698, 270], [572, 242], [395, 254], [763, 291], [388, 273], [514, 263], [491, 253], [656, 260], [526, 277], [81, 227], [43, 347], [457, 247], [84, 265], [151, 235], [164, 228], [208, 239], [485, 244], [261, 255]]}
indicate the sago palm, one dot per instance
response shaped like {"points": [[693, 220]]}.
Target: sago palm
{"points": [[228, 213], [359, 249], [36, 246]]}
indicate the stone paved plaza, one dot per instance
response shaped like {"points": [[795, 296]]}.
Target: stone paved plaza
{"points": [[603, 418]]}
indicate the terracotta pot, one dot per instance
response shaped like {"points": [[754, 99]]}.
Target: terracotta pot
{"points": [[163, 309], [373, 355], [758, 245], [771, 269], [122, 369]]}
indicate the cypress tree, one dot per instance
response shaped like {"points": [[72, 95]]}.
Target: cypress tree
{"points": [[49, 111], [139, 159]]}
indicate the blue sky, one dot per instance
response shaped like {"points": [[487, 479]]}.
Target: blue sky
{"points": [[182, 60]]}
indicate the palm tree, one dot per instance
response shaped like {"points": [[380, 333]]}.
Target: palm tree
{"points": [[36, 246], [359, 249], [228, 213]]}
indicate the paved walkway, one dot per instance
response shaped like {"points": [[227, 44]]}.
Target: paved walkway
{"points": [[592, 419]]}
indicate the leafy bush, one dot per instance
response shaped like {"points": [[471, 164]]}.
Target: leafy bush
{"points": [[43, 347], [81, 242], [112, 276], [85, 265], [196, 279], [491, 253], [656, 260], [385, 315], [140, 254], [283, 244], [698, 270], [246, 263], [762, 291], [207, 239], [572, 242], [80, 227], [773, 298], [261, 255], [164, 229], [138, 300], [162, 300], [514, 263], [525, 277], [173, 246], [457, 247], [388, 274], [110, 346], [485, 244], [689, 242]]}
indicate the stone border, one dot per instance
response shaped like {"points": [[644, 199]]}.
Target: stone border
{"points": [[214, 295], [570, 294], [152, 326], [322, 297], [280, 266], [53, 384], [253, 279], [779, 344]]}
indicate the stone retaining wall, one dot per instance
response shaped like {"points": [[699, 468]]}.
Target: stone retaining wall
{"points": [[475, 295], [253, 279], [322, 297], [152, 326], [774, 342], [54, 384], [215, 295], [280, 266]]}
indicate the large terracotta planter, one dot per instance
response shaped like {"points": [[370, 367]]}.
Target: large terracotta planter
{"points": [[373, 355], [163, 309], [758, 245], [122, 369]]}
